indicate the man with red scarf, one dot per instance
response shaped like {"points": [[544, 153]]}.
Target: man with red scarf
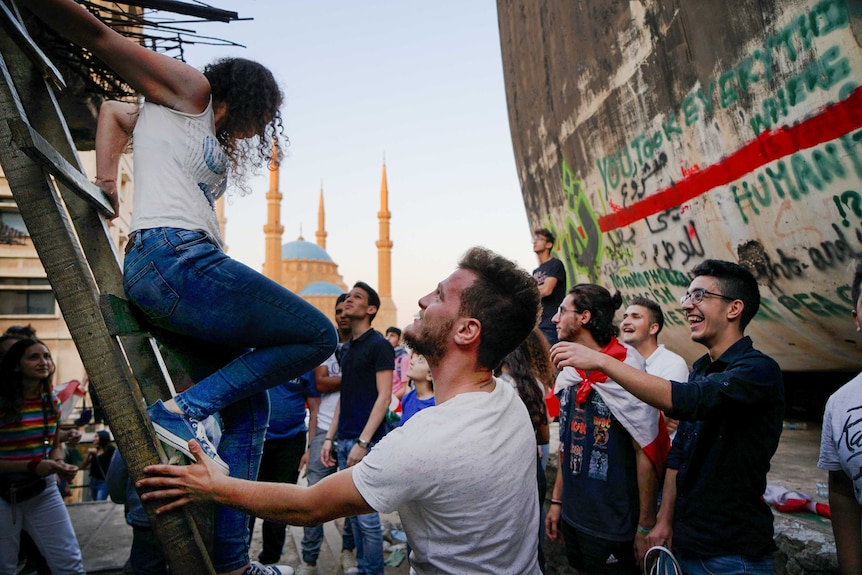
{"points": [[612, 447]]}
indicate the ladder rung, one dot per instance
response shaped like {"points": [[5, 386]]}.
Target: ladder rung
{"points": [[37, 148], [120, 318]]}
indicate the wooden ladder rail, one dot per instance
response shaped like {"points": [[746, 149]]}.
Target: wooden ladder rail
{"points": [[70, 236]]}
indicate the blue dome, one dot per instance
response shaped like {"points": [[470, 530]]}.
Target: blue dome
{"points": [[321, 288], [303, 250]]}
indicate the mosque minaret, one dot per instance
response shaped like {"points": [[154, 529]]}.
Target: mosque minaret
{"points": [[306, 269], [273, 229], [388, 314]]}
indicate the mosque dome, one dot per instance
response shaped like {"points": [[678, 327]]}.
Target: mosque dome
{"points": [[302, 250], [321, 289]]}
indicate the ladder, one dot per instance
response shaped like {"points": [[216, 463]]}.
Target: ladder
{"points": [[64, 214]]}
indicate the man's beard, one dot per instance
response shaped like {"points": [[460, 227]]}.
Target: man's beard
{"points": [[430, 341]]}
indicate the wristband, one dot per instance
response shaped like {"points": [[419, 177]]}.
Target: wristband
{"points": [[106, 180], [327, 439], [643, 530], [32, 464], [362, 444], [556, 502]]}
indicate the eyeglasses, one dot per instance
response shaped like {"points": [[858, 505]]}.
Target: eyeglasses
{"points": [[698, 294], [562, 311]]}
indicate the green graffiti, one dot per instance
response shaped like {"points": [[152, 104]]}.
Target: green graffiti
{"points": [[581, 240], [797, 176], [650, 278], [821, 74], [745, 81]]}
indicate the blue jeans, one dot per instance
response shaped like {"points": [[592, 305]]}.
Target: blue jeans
{"points": [[98, 489], [366, 528], [312, 537], [218, 308], [46, 519], [725, 565]]}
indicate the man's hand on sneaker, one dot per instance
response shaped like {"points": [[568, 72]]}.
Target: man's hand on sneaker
{"points": [[182, 483]]}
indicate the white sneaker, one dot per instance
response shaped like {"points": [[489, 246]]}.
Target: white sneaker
{"points": [[305, 569], [348, 563], [255, 568]]}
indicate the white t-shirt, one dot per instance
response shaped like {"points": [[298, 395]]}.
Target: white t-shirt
{"points": [[463, 479], [666, 364], [328, 401], [840, 449], [180, 170]]}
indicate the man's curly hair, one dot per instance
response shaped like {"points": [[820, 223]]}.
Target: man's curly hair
{"points": [[505, 300], [253, 101]]}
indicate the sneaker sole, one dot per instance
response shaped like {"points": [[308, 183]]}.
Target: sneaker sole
{"points": [[182, 446]]}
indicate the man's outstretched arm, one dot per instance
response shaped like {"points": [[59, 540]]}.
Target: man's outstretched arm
{"points": [[846, 515], [335, 496], [648, 388]]}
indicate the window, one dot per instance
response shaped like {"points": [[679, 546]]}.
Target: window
{"points": [[12, 228], [26, 296]]}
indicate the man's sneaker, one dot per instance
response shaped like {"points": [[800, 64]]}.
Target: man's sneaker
{"points": [[177, 430], [306, 569], [348, 562], [255, 568]]}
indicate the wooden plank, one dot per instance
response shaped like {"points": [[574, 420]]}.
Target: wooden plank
{"points": [[76, 288], [11, 23], [31, 143], [120, 318]]}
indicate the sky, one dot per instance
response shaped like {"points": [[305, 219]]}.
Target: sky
{"points": [[420, 84]]}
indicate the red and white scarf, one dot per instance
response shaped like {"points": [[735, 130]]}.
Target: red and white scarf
{"points": [[643, 422]]}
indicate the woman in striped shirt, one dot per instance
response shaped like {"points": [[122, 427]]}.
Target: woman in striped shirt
{"points": [[30, 459]]}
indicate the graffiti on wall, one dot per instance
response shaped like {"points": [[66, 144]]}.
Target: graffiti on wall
{"points": [[760, 162]]}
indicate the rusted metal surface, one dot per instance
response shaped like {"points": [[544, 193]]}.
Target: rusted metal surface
{"points": [[654, 134]]}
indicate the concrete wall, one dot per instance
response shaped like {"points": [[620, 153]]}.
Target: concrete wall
{"points": [[653, 134]]}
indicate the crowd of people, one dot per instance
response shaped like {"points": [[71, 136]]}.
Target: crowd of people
{"points": [[652, 453]]}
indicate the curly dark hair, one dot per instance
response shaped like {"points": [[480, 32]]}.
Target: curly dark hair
{"points": [[735, 282], [253, 101], [522, 365], [12, 386], [601, 305], [539, 352], [505, 300]]}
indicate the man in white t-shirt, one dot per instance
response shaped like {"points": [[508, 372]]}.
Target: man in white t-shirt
{"points": [[451, 471], [840, 455], [642, 322]]}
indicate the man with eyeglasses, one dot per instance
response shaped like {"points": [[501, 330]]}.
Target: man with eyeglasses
{"points": [[730, 412], [551, 277]]}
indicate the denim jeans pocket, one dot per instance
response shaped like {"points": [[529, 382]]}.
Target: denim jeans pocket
{"points": [[150, 292], [187, 239]]}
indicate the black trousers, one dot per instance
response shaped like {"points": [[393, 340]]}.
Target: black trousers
{"points": [[280, 464]]}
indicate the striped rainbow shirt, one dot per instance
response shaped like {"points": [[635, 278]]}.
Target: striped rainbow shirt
{"points": [[22, 441]]}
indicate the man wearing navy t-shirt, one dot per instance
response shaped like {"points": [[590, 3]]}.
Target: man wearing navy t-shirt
{"points": [[367, 363], [551, 277]]}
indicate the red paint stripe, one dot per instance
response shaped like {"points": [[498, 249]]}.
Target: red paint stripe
{"points": [[833, 122]]}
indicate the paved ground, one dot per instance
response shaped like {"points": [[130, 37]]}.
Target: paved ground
{"points": [[105, 538]]}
